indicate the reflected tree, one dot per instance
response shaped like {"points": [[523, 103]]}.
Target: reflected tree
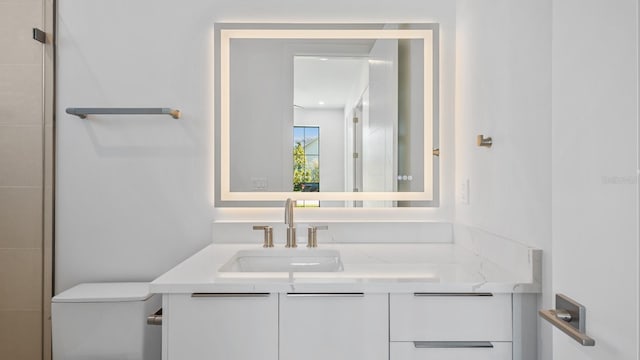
{"points": [[300, 171]]}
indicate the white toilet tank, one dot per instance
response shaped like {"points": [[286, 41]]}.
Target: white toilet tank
{"points": [[106, 321]]}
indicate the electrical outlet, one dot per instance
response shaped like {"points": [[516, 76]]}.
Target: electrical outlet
{"points": [[259, 183]]}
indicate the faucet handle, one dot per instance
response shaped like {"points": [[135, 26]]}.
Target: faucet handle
{"points": [[268, 235], [312, 235]]}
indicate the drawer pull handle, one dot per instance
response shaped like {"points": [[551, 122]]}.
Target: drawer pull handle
{"points": [[325, 294], [451, 294], [229, 295], [451, 344]]}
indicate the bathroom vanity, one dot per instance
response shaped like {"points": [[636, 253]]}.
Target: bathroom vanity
{"points": [[384, 301], [445, 297]]}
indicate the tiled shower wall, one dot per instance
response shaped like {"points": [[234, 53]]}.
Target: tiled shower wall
{"points": [[26, 154]]}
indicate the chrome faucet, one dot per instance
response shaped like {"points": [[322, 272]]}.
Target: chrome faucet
{"points": [[288, 219]]}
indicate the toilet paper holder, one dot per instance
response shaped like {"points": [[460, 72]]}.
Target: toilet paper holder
{"points": [[569, 316], [155, 318]]}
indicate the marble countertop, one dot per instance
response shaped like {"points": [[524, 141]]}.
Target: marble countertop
{"points": [[378, 268]]}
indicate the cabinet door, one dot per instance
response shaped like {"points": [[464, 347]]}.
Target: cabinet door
{"points": [[334, 326], [220, 326]]}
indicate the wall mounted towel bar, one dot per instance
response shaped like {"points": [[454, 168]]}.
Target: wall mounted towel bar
{"points": [[83, 112]]}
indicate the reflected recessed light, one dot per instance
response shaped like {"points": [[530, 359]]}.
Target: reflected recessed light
{"points": [[320, 102], [324, 59]]}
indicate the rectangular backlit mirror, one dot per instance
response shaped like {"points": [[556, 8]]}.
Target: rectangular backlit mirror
{"points": [[332, 115]]}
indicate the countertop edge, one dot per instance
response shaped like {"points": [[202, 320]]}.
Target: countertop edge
{"points": [[180, 279]]}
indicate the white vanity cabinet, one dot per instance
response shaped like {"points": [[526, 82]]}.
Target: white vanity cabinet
{"points": [[444, 326], [347, 326], [337, 326], [211, 326]]}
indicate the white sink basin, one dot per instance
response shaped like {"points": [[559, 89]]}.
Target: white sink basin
{"points": [[284, 260]]}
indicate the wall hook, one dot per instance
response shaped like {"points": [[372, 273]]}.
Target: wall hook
{"points": [[484, 141]]}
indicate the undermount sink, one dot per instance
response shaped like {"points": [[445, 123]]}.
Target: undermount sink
{"points": [[284, 260]]}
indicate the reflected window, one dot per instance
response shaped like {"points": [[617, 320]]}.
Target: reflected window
{"points": [[306, 162]]}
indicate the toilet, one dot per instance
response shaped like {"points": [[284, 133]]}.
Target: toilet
{"points": [[106, 321]]}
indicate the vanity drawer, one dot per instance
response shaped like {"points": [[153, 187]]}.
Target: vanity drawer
{"points": [[234, 326], [450, 351], [450, 317]]}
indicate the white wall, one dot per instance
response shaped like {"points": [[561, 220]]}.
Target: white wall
{"points": [[358, 93], [135, 195], [261, 134], [411, 114], [503, 90], [595, 179], [380, 122]]}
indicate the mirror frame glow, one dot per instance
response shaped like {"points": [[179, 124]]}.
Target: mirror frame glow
{"points": [[426, 32]]}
